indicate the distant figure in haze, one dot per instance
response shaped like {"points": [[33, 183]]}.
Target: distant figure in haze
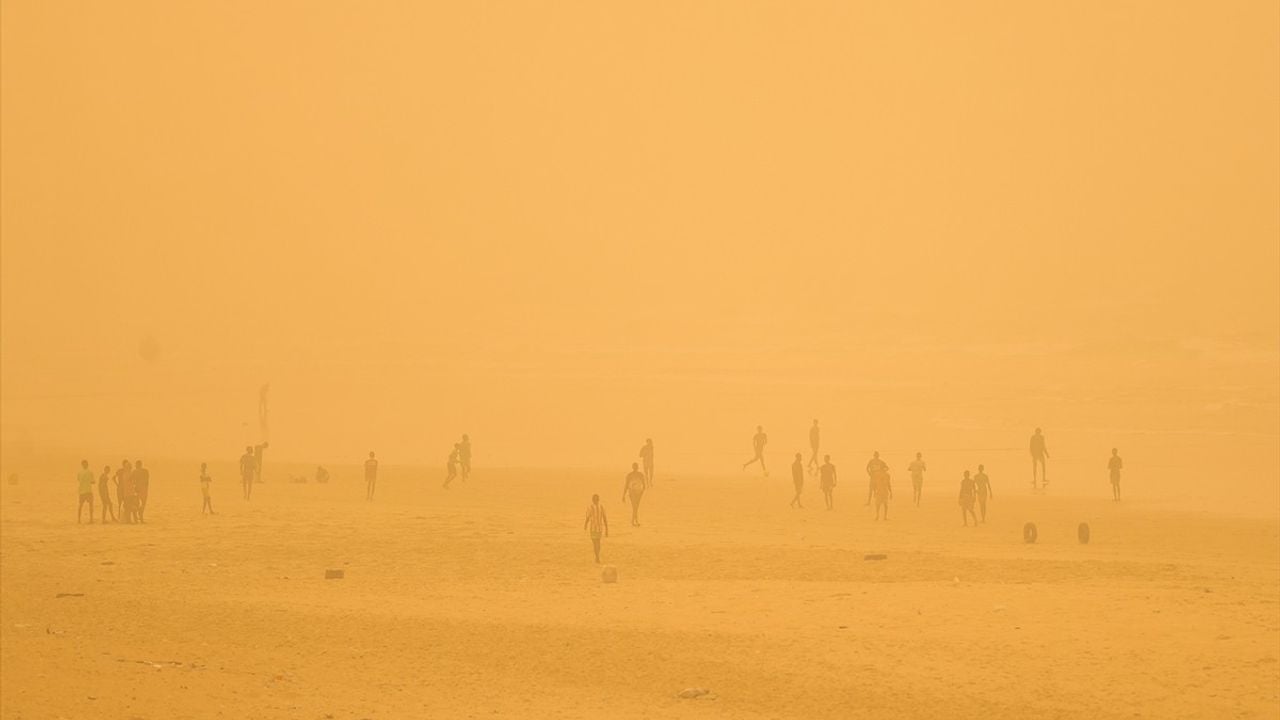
{"points": [[257, 461], [1038, 455], [370, 475], [123, 472], [464, 456], [882, 487], [633, 486], [322, 475], [917, 468], [451, 466], [797, 477], [1115, 465], [815, 442], [84, 481], [982, 485], [248, 469], [646, 458], [104, 494], [263, 392], [141, 486], [598, 523], [128, 494], [874, 465], [757, 443], [966, 500], [827, 481], [205, 481]]}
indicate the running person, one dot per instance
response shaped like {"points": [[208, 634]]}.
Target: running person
{"points": [[874, 465], [982, 485], [1039, 453], [815, 441], [827, 481], [883, 488], [598, 523], [84, 481], [248, 469], [464, 456], [104, 494], [646, 457], [917, 468], [797, 477], [757, 443], [633, 486], [205, 480], [370, 475], [966, 500], [452, 465], [1115, 465]]}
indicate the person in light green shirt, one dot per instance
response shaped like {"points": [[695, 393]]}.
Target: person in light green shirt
{"points": [[85, 481]]}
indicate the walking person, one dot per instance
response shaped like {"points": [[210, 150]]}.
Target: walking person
{"points": [[917, 468], [797, 477], [966, 500], [141, 488], [104, 494], [370, 475], [1039, 453], [597, 523], [205, 481], [633, 486], [982, 486], [248, 470], [84, 482], [1115, 465], [827, 482]]}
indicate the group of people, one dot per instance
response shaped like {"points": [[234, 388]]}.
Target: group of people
{"points": [[132, 484]]}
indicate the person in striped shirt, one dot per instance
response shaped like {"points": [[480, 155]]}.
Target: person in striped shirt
{"points": [[598, 523]]}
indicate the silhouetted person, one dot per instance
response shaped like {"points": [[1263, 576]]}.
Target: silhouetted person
{"points": [[464, 456], [141, 487], [263, 392], [257, 461], [633, 486], [248, 470], [882, 488], [128, 494], [646, 459], [815, 441], [205, 481], [797, 477], [84, 482], [370, 475], [122, 472], [451, 467], [966, 500], [982, 485], [1039, 453], [874, 465], [917, 468], [598, 523], [104, 494], [1115, 465], [757, 443], [827, 482]]}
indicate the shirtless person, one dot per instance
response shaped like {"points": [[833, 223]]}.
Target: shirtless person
{"points": [[797, 477], [598, 523], [646, 457], [633, 486], [917, 468], [1115, 465], [827, 481], [104, 494], [966, 500], [758, 442], [84, 482], [1038, 455], [452, 465], [874, 465], [370, 475], [815, 440], [982, 485], [141, 487], [883, 490], [205, 480], [248, 469]]}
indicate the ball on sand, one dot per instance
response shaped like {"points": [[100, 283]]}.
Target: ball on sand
{"points": [[610, 574]]}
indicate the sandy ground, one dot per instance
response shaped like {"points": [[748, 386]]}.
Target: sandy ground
{"points": [[483, 601]]}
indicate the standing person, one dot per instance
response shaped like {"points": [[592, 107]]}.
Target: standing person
{"points": [[797, 477], [370, 475], [205, 481], [128, 494], [634, 486], [257, 460], [104, 494], [646, 457], [757, 443], [84, 480], [917, 468], [122, 474], [464, 456], [1115, 465], [1039, 453], [141, 485], [874, 465], [451, 466], [827, 481], [814, 442], [248, 469], [883, 487], [598, 523], [982, 484], [966, 500]]}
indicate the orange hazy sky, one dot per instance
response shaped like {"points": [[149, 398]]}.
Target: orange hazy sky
{"points": [[564, 226]]}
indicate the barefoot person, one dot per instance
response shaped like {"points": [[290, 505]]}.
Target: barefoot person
{"points": [[464, 456], [815, 441], [982, 485], [797, 477], [917, 468], [128, 495], [597, 523], [451, 466], [84, 482], [104, 494], [205, 481], [966, 500], [1115, 465], [874, 465], [883, 491], [370, 475], [1039, 453], [646, 458], [633, 486], [257, 460], [141, 487], [122, 472], [827, 481], [757, 443], [248, 469]]}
